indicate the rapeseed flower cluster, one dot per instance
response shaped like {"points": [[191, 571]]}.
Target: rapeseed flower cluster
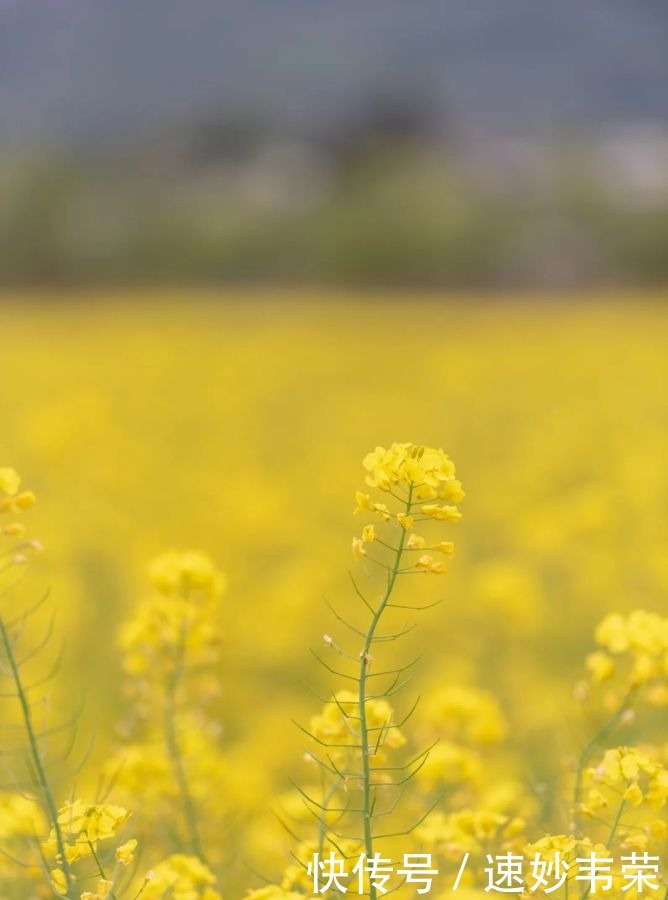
{"points": [[176, 624], [464, 728], [76, 835], [181, 877], [412, 475], [629, 773], [636, 644], [83, 826]]}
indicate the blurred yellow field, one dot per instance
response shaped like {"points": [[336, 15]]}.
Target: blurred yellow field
{"points": [[237, 426]]}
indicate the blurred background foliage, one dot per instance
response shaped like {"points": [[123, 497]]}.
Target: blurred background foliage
{"points": [[385, 209]]}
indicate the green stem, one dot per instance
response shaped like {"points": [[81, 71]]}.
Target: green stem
{"points": [[327, 796], [615, 824], [589, 748], [100, 868], [364, 731], [174, 750], [36, 757], [611, 837]]}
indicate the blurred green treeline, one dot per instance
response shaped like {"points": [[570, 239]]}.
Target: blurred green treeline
{"points": [[386, 204]]}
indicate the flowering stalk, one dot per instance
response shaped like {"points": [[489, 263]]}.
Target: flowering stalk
{"points": [[170, 649], [356, 728], [364, 663], [36, 757], [14, 501], [427, 475], [638, 645]]}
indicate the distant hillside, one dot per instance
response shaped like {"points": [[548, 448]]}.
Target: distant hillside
{"points": [[93, 68]]}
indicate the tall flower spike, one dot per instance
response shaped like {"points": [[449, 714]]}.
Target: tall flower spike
{"points": [[357, 737], [170, 648]]}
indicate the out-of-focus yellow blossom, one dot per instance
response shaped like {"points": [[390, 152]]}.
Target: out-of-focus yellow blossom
{"points": [[19, 816], [418, 542], [15, 530], [125, 853], [187, 571], [471, 831], [181, 877], [11, 500], [21, 820], [449, 764], [600, 665], [16, 551], [102, 892], [464, 892], [143, 768], [595, 801], [427, 564], [359, 550], [15, 503], [295, 875], [273, 892], [657, 694], [658, 829], [83, 826], [500, 793], [505, 591], [466, 714], [551, 845], [630, 773], [10, 480], [146, 768], [445, 547], [366, 504], [338, 726], [292, 805], [641, 635], [58, 880], [567, 846], [337, 721], [179, 622], [441, 513], [640, 632], [368, 534]]}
